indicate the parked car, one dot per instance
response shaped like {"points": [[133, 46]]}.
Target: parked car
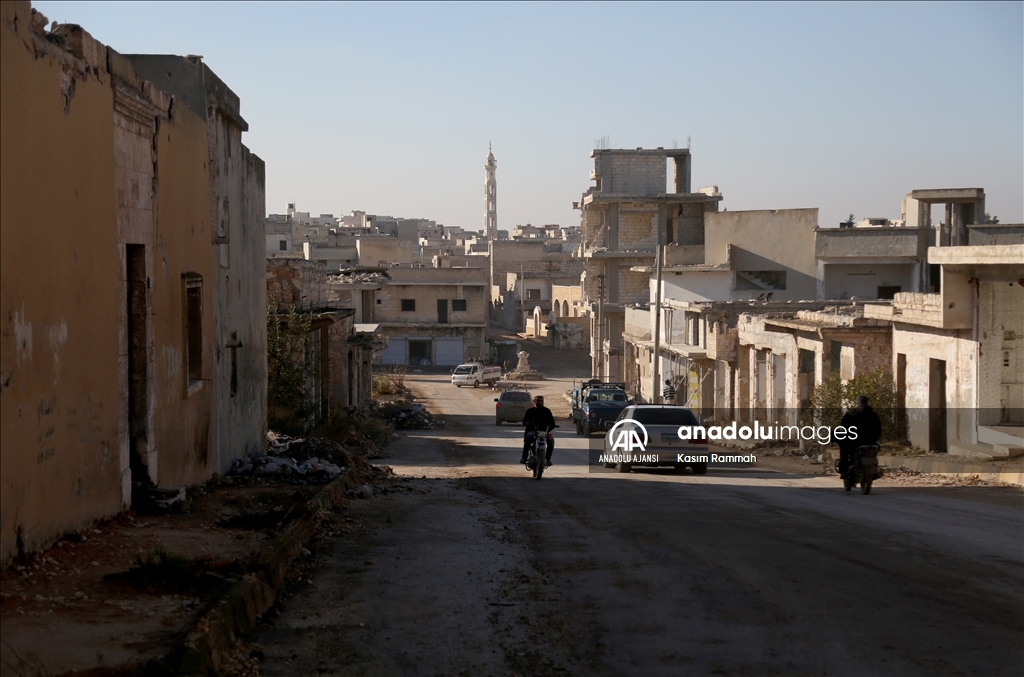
{"points": [[475, 373], [512, 406], [596, 405], [664, 446]]}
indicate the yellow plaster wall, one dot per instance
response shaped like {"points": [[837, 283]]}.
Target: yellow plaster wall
{"points": [[59, 459]]}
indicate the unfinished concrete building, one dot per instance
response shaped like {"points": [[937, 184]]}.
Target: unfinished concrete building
{"points": [[958, 353], [522, 274], [628, 211]]}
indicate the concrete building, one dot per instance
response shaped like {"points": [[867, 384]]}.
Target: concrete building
{"points": [[536, 263], [624, 216], [138, 337], [433, 316], [714, 351], [341, 356], [958, 353], [868, 262]]}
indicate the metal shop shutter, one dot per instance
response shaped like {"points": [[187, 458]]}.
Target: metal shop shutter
{"points": [[448, 352], [395, 352]]}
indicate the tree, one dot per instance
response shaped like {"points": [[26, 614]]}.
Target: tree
{"points": [[291, 406], [850, 220], [991, 219], [833, 398]]}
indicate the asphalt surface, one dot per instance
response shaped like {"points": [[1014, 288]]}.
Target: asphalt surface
{"points": [[475, 568]]}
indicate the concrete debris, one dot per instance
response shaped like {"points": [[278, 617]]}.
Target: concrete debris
{"points": [[365, 491], [531, 375], [283, 465], [411, 416]]}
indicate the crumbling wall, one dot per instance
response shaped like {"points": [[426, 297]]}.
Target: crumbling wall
{"points": [[60, 460], [296, 282]]}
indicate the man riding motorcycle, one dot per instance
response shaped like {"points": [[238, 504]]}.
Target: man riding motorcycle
{"points": [[869, 428], [538, 417]]}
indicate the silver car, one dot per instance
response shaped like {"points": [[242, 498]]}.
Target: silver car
{"points": [[512, 406], [657, 427]]}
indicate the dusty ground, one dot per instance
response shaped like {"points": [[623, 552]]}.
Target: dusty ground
{"points": [[476, 569], [83, 590]]}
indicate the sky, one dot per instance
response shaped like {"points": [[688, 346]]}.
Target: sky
{"points": [[389, 108]]}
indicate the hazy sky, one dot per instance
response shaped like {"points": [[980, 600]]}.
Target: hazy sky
{"points": [[389, 108]]}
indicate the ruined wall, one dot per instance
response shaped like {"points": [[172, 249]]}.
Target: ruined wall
{"points": [[1001, 358], [295, 282], [955, 348], [59, 462], [182, 435]]}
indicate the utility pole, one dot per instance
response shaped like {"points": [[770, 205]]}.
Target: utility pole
{"points": [[655, 390], [600, 327]]}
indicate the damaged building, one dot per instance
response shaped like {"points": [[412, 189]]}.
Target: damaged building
{"points": [[340, 354], [433, 316], [625, 215], [134, 338]]}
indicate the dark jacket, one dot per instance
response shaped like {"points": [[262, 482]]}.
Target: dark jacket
{"points": [[868, 425], [539, 417]]}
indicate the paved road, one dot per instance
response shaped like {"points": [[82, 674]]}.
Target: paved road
{"points": [[476, 569]]}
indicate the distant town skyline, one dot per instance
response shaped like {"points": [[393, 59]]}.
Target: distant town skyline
{"points": [[389, 109]]}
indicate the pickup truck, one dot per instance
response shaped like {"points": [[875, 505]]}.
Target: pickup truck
{"points": [[596, 405], [474, 373]]}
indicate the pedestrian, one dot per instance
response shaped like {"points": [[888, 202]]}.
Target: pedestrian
{"points": [[668, 393]]}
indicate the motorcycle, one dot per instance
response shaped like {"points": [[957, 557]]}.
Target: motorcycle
{"points": [[864, 470], [536, 462]]}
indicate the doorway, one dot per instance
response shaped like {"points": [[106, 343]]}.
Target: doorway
{"points": [[136, 303], [937, 406], [442, 311], [419, 353]]}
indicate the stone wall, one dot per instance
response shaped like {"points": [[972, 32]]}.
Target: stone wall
{"points": [[297, 282]]}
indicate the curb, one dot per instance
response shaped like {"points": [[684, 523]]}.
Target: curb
{"points": [[926, 465], [216, 632]]}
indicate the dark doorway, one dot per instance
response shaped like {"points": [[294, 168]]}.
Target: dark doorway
{"points": [[442, 311], [901, 396], [419, 353], [937, 406], [138, 373]]}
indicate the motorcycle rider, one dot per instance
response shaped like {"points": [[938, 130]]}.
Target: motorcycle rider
{"points": [[868, 427], [538, 417]]}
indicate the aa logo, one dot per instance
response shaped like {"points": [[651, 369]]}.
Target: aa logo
{"points": [[628, 439]]}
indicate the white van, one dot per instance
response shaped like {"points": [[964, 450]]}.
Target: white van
{"points": [[474, 373]]}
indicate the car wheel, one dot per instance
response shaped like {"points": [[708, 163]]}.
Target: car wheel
{"points": [[624, 467], [609, 465], [458, 385], [497, 421], [678, 467], [476, 384], [700, 468]]}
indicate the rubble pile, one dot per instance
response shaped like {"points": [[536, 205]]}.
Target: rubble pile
{"points": [[531, 375], [411, 416]]}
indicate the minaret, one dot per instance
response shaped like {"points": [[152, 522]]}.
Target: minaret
{"points": [[490, 196]]}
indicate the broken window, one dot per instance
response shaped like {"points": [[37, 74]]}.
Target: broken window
{"points": [[408, 305], [193, 316], [283, 244], [533, 294], [458, 305]]}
